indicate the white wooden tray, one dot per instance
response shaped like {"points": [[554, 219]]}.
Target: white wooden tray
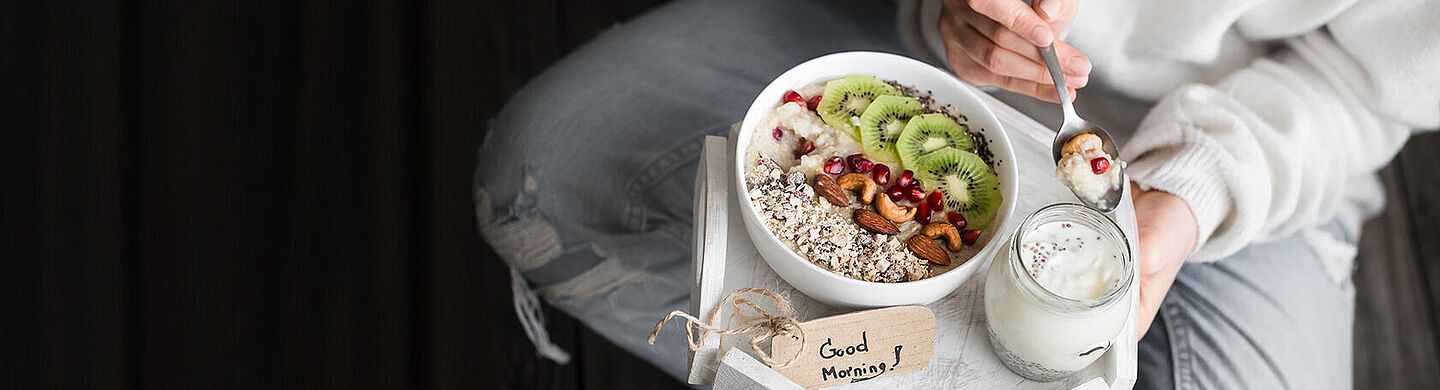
{"points": [[725, 259]]}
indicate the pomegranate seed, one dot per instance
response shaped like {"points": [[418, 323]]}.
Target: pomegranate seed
{"points": [[813, 103], [1099, 165], [778, 133], [794, 97], [896, 192], [863, 166], [969, 236], [956, 219], [915, 194], [860, 164], [881, 174], [922, 213], [805, 148], [835, 165], [905, 178], [936, 200]]}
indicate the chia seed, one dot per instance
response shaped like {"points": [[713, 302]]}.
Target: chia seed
{"points": [[982, 144]]}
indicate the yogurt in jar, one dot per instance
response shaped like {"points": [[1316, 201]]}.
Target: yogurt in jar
{"points": [[1058, 294], [1071, 260]]}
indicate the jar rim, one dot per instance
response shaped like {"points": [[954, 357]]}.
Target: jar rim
{"points": [[1097, 219]]}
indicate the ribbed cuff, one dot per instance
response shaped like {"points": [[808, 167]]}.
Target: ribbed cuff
{"points": [[1193, 173]]}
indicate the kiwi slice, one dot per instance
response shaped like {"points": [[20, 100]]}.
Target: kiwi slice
{"points": [[966, 181], [847, 98], [928, 133], [882, 124]]}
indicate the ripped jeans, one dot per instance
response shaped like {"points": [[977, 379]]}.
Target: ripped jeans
{"points": [[584, 187], [585, 181]]}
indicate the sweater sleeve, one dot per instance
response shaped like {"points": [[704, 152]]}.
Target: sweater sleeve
{"points": [[918, 25], [1272, 147]]}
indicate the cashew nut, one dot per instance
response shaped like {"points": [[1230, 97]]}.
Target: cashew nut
{"points": [[863, 185], [893, 212], [1082, 142], [944, 229]]}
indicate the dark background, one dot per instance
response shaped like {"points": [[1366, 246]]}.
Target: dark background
{"points": [[262, 195]]}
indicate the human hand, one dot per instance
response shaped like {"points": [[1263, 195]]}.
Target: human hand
{"points": [[993, 42], [1167, 235]]}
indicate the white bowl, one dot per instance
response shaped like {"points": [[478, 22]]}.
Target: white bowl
{"points": [[834, 289]]}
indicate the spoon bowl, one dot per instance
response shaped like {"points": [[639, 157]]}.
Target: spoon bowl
{"points": [[1070, 129]]}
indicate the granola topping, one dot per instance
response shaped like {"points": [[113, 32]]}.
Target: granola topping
{"points": [[824, 233]]}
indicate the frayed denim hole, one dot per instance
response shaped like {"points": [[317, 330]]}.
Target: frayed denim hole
{"points": [[521, 237], [526, 203]]}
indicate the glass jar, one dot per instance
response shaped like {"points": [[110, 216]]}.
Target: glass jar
{"points": [[1040, 334]]}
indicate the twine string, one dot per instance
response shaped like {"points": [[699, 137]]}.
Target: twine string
{"points": [[766, 325]]}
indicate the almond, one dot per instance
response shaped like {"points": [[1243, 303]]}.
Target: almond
{"points": [[874, 223], [947, 231], [927, 249], [826, 187]]}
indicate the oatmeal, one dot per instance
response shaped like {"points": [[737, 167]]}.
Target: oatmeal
{"points": [[798, 125]]}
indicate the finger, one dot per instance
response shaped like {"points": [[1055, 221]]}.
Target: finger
{"points": [[999, 60], [1150, 299], [1003, 61], [1056, 12], [1033, 89], [1006, 62], [1073, 62], [1044, 92], [976, 74], [1017, 17], [1154, 283]]}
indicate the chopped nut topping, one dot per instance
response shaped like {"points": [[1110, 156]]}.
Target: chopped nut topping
{"points": [[824, 233]]}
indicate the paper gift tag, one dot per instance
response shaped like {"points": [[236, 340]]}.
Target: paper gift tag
{"points": [[859, 346]]}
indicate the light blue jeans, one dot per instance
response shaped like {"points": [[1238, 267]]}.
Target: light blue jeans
{"points": [[584, 184]]}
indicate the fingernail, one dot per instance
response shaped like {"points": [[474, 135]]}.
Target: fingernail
{"points": [[1041, 36], [1079, 65], [1051, 8]]}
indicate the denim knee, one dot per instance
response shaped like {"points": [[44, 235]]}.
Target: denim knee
{"points": [[576, 216]]}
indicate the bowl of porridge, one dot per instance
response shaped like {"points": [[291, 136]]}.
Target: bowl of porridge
{"points": [[870, 179]]}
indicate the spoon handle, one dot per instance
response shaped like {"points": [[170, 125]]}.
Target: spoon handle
{"points": [[1053, 64]]}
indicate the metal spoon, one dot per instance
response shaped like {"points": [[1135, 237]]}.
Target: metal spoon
{"points": [[1075, 125]]}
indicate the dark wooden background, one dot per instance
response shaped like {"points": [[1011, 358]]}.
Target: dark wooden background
{"points": [[263, 195]]}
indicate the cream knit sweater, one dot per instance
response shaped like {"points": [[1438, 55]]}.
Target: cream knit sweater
{"points": [[1267, 117]]}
